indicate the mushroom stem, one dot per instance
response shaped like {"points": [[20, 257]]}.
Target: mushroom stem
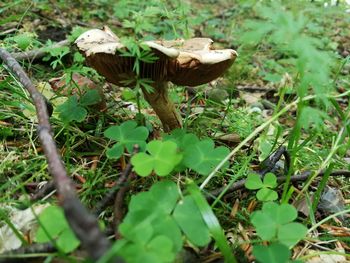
{"points": [[163, 106]]}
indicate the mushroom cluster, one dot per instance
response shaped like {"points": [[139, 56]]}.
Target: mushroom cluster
{"points": [[183, 62]]}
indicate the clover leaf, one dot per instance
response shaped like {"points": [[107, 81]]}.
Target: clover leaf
{"points": [[274, 253], [71, 110], [275, 222], [189, 218], [127, 135], [57, 229], [162, 157], [203, 157], [265, 192]]}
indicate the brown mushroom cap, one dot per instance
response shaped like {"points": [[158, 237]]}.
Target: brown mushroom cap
{"points": [[184, 62]]}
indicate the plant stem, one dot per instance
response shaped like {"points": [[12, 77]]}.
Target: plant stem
{"points": [[163, 106]]}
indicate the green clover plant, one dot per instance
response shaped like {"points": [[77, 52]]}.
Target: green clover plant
{"points": [[54, 226], [74, 109], [127, 135], [275, 223], [265, 186], [156, 224], [178, 152]]}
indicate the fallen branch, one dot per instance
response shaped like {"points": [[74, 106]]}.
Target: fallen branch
{"points": [[295, 178], [83, 223], [38, 53]]}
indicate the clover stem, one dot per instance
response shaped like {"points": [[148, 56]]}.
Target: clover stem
{"points": [[163, 106]]}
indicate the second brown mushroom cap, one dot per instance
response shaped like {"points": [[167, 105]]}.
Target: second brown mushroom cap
{"points": [[183, 62]]}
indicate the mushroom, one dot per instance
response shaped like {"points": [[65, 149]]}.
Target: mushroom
{"points": [[183, 62]]}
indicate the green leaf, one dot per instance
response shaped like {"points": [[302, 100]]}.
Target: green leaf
{"points": [[53, 225], [274, 253], [275, 222], [282, 213], [203, 157], [189, 218], [91, 97], [212, 222], [266, 228], [266, 194], [162, 196], [270, 180], [71, 110], [163, 247], [253, 182], [23, 40], [127, 135], [290, 234], [162, 158]]}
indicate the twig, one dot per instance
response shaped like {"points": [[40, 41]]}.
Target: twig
{"points": [[38, 53], [112, 192], [38, 248], [295, 178], [118, 206], [270, 163], [83, 223], [46, 189]]}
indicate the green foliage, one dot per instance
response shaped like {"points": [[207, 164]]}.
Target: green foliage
{"points": [[54, 226], [274, 253], [288, 33], [162, 157], [156, 222], [127, 135], [179, 151], [212, 222], [203, 157], [189, 218], [71, 110], [265, 192], [76, 110], [275, 223]]}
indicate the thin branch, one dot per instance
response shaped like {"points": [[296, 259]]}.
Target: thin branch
{"points": [[83, 223], [112, 192], [295, 178]]}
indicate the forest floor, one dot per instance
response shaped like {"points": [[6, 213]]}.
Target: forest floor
{"points": [[266, 144]]}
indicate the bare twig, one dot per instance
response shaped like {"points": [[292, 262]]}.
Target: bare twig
{"points": [[46, 189], [119, 211], [38, 53], [83, 223], [295, 178], [38, 248], [112, 192]]}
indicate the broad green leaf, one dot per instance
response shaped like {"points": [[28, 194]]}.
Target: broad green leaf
{"points": [[282, 214], [266, 194], [274, 253], [270, 180], [162, 196], [212, 222], [275, 221], [115, 151], [290, 234], [265, 227], [253, 182], [163, 247], [190, 220], [162, 157], [71, 110], [203, 157], [137, 227], [91, 97], [53, 225], [167, 226], [127, 135]]}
